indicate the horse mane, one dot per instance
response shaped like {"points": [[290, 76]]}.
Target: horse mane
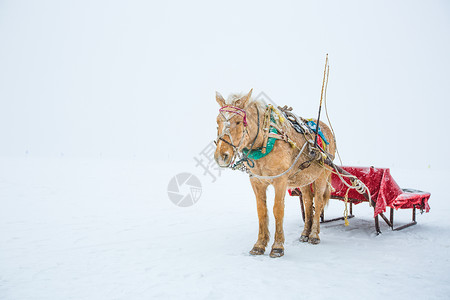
{"points": [[235, 96]]}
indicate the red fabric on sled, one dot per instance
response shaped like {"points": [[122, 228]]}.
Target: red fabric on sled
{"points": [[409, 200], [384, 190]]}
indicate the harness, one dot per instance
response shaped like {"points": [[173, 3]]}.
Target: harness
{"points": [[271, 130], [270, 136], [258, 152]]}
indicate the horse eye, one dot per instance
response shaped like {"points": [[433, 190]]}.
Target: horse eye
{"points": [[237, 123]]}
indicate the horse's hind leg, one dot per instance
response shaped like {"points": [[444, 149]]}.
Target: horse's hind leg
{"points": [[321, 196], [307, 197], [260, 188]]}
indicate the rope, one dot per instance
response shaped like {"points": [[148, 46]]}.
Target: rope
{"points": [[346, 223], [357, 184], [328, 118]]}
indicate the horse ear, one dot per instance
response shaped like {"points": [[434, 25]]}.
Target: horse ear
{"points": [[220, 99], [242, 102]]}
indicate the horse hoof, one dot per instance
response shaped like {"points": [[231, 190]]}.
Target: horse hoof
{"points": [[304, 238], [314, 241], [257, 251], [276, 253]]}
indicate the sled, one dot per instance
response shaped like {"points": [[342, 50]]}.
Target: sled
{"points": [[384, 193]]}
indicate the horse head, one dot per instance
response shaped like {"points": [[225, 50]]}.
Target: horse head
{"points": [[231, 128]]}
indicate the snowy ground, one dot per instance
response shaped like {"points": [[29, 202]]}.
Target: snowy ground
{"points": [[105, 229], [136, 80]]}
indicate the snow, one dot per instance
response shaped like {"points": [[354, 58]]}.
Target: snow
{"points": [[102, 103], [106, 229]]}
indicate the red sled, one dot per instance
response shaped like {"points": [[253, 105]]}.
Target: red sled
{"points": [[384, 192]]}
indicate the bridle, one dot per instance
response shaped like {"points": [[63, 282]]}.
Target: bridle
{"points": [[226, 128], [226, 132]]}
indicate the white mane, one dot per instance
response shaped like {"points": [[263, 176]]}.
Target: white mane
{"points": [[235, 96]]}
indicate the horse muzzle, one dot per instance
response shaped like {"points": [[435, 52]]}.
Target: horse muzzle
{"points": [[223, 159]]}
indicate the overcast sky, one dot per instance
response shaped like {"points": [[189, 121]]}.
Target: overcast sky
{"points": [[136, 79]]}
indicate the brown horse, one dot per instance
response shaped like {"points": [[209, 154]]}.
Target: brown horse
{"points": [[293, 161]]}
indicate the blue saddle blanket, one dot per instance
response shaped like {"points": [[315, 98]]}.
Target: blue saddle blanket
{"points": [[312, 125]]}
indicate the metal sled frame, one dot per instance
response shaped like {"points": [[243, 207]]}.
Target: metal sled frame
{"points": [[389, 222]]}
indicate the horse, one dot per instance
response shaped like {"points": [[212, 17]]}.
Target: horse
{"points": [[245, 126]]}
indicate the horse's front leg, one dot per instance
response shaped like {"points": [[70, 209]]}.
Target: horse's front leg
{"points": [[260, 188], [280, 186]]}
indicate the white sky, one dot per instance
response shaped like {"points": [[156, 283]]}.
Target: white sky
{"points": [[136, 79]]}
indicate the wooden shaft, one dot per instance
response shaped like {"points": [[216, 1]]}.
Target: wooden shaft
{"points": [[321, 99]]}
